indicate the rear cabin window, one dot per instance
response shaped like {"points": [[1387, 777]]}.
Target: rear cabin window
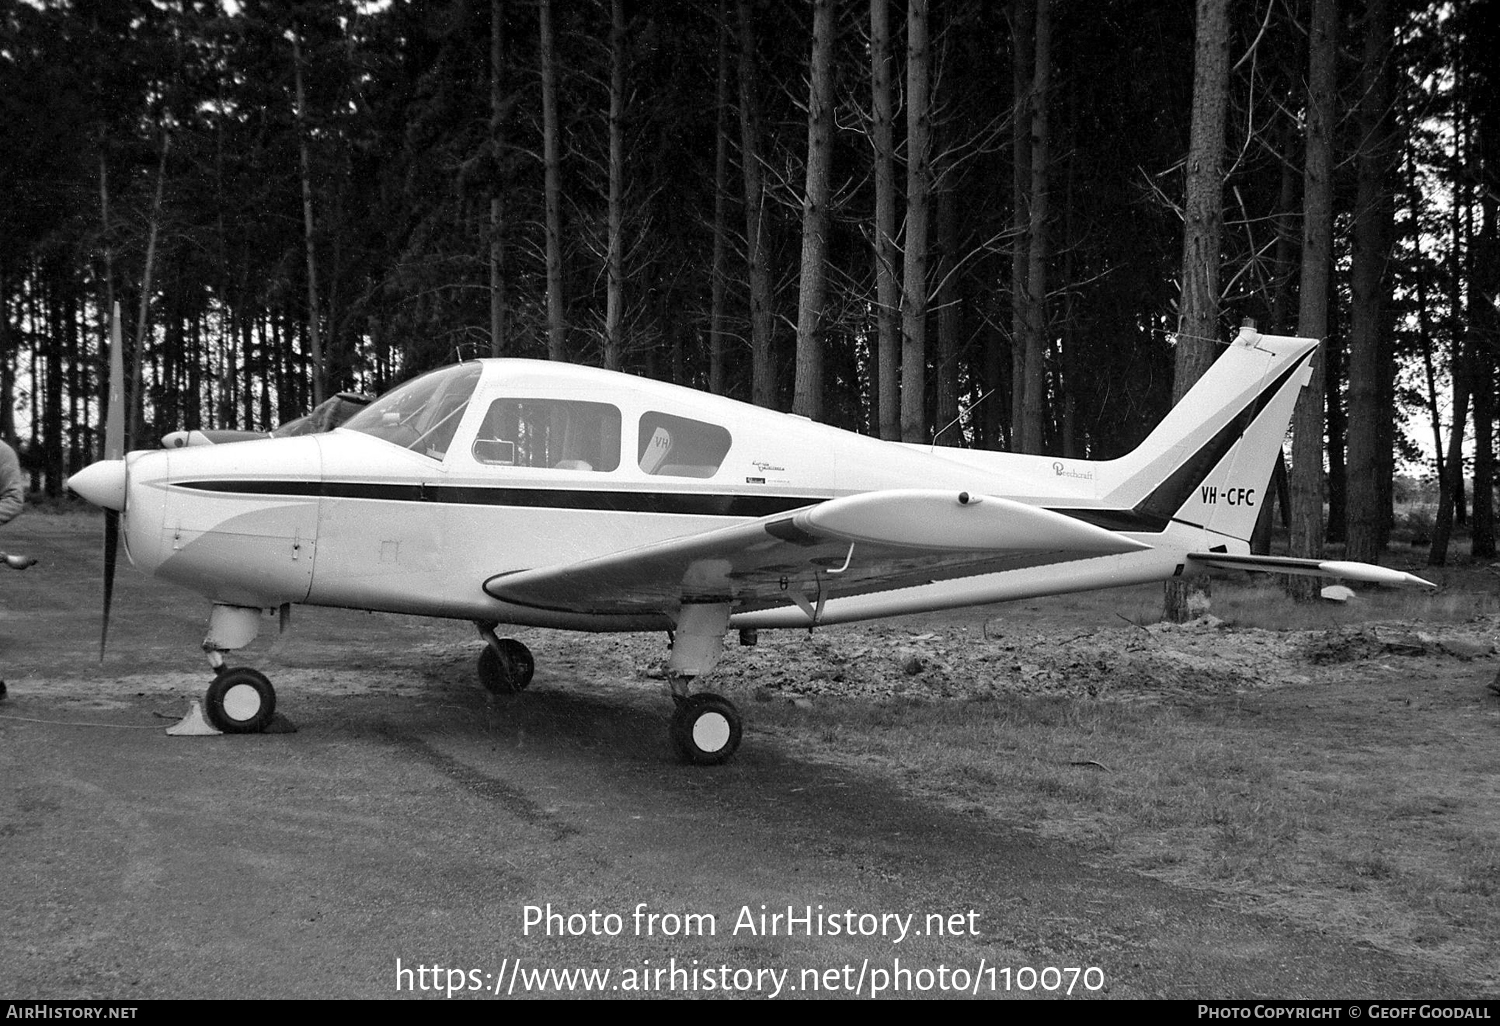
{"points": [[556, 434], [678, 447]]}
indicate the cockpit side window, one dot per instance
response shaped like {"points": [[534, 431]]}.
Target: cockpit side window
{"points": [[673, 446], [422, 414], [557, 434]]}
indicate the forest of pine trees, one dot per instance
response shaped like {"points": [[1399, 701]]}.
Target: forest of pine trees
{"points": [[1021, 224]]}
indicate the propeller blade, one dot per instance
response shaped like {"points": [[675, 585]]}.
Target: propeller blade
{"points": [[111, 552], [114, 449], [114, 417]]}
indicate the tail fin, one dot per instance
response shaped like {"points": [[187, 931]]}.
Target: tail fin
{"points": [[1208, 464]]}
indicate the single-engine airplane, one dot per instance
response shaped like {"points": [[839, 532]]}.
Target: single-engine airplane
{"points": [[533, 493]]}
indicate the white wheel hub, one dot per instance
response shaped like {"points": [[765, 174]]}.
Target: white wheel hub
{"points": [[242, 702], [711, 731]]}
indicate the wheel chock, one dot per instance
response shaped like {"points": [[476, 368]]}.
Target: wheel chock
{"points": [[193, 724]]}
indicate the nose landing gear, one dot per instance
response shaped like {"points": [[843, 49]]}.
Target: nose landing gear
{"points": [[240, 701]]}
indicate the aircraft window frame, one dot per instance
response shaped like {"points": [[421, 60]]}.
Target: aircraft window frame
{"points": [[549, 433], [422, 415], [671, 445]]}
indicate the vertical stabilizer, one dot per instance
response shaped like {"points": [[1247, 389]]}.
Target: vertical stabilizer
{"points": [[1208, 464]]}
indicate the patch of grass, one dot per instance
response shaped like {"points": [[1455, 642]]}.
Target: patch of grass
{"points": [[1371, 865], [1339, 818], [1479, 870], [1262, 604]]}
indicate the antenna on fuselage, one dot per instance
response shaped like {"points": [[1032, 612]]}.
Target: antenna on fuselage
{"points": [[963, 412]]}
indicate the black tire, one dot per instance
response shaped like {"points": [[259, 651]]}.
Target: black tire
{"points": [[706, 729], [522, 665], [240, 701], [498, 672]]}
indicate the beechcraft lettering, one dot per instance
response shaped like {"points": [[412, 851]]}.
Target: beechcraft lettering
{"points": [[1210, 495], [532, 493]]}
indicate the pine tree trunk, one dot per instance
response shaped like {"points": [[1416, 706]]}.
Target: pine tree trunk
{"points": [[54, 347], [137, 376], [1198, 316], [1337, 430], [614, 302], [762, 366], [1286, 231], [1484, 327], [1023, 28], [314, 333], [914, 267], [949, 318], [1451, 500], [1482, 518], [807, 392], [716, 330], [552, 186], [887, 288], [1312, 317], [499, 301], [1373, 234], [1451, 496], [1034, 383]]}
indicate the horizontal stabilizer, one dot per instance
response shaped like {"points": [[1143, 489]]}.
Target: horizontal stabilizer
{"points": [[1369, 573]]}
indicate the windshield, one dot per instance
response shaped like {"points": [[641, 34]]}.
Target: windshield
{"points": [[422, 414]]}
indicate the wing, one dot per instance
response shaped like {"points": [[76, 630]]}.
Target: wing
{"points": [[875, 541], [1367, 572]]}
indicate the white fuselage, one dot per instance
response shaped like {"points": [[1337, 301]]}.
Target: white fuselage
{"points": [[352, 520]]}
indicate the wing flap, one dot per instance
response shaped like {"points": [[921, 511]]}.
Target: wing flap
{"points": [[874, 541]]}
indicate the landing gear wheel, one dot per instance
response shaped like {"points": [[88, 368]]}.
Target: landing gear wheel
{"points": [[705, 729], [240, 701], [507, 671], [521, 662]]}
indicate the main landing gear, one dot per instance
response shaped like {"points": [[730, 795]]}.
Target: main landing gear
{"points": [[505, 665], [508, 669], [705, 727]]}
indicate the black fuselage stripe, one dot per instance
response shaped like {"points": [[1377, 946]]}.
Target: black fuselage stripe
{"points": [[721, 504], [705, 504]]}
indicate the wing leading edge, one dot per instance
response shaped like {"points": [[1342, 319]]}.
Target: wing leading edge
{"points": [[858, 544]]}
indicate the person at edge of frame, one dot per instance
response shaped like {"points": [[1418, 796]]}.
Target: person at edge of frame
{"points": [[12, 496]]}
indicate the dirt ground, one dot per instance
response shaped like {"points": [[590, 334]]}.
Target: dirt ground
{"points": [[413, 822]]}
